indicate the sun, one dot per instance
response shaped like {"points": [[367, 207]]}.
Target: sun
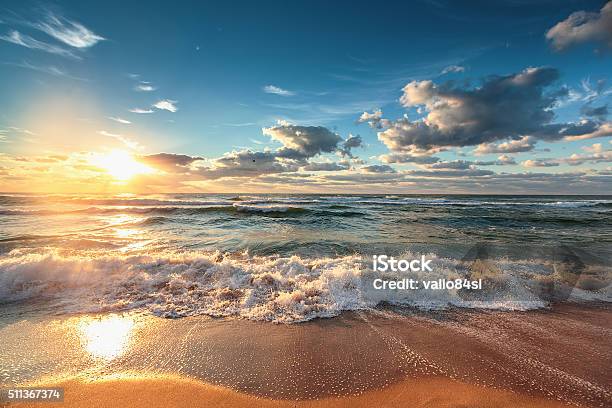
{"points": [[120, 165]]}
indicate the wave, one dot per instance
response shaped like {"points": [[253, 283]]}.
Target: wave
{"points": [[268, 209], [250, 209], [269, 288]]}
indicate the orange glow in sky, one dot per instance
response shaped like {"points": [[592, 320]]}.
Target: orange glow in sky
{"points": [[120, 165]]}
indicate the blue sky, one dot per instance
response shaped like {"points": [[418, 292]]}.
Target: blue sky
{"points": [[73, 74]]}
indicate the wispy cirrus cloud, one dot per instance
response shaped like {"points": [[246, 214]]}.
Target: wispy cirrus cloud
{"points": [[243, 124], [272, 89], [166, 104], [140, 110], [132, 144], [119, 120], [453, 69], [144, 86], [25, 40], [49, 69], [69, 32]]}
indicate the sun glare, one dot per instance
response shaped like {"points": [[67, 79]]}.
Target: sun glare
{"points": [[120, 165], [106, 337]]}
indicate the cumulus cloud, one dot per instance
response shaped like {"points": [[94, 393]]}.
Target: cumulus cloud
{"points": [[303, 141], [24, 40], [453, 69], [510, 107], [503, 107], [506, 160], [165, 104], [595, 154], [578, 159], [271, 89], [374, 119], [595, 148], [581, 27], [540, 163], [524, 144], [299, 144]]}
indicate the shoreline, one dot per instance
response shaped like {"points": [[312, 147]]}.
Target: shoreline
{"points": [[555, 356]]}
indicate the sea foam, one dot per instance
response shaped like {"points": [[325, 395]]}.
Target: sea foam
{"points": [[270, 288]]}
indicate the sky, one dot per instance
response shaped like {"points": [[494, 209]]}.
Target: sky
{"points": [[433, 96]]}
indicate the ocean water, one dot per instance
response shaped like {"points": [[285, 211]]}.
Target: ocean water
{"points": [[291, 258]]}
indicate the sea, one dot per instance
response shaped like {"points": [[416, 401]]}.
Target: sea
{"points": [[291, 258]]}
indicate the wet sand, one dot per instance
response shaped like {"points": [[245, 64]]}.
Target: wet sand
{"points": [[381, 358], [173, 391]]}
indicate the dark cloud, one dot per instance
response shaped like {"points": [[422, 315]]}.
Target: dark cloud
{"points": [[247, 163], [378, 168], [303, 141], [350, 143], [600, 112], [582, 27], [503, 108], [455, 165], [168, 161], [300, 143], [574, 132]]}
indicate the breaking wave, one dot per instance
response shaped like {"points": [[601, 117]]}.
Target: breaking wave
{"points": [[254, 209], [273, 288]]}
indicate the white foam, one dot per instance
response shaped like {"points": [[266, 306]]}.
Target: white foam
{"points": [[265, 208], [271, 288]]}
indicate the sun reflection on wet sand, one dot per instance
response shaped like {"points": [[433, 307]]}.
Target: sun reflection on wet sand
{"points": [[106, 337]]}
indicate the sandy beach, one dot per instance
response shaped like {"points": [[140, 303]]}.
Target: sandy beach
{"points": [[173, 391], [544, 358], [306, 204]]}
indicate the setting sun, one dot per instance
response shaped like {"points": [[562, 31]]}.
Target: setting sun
{"points": [[120, 164]]}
